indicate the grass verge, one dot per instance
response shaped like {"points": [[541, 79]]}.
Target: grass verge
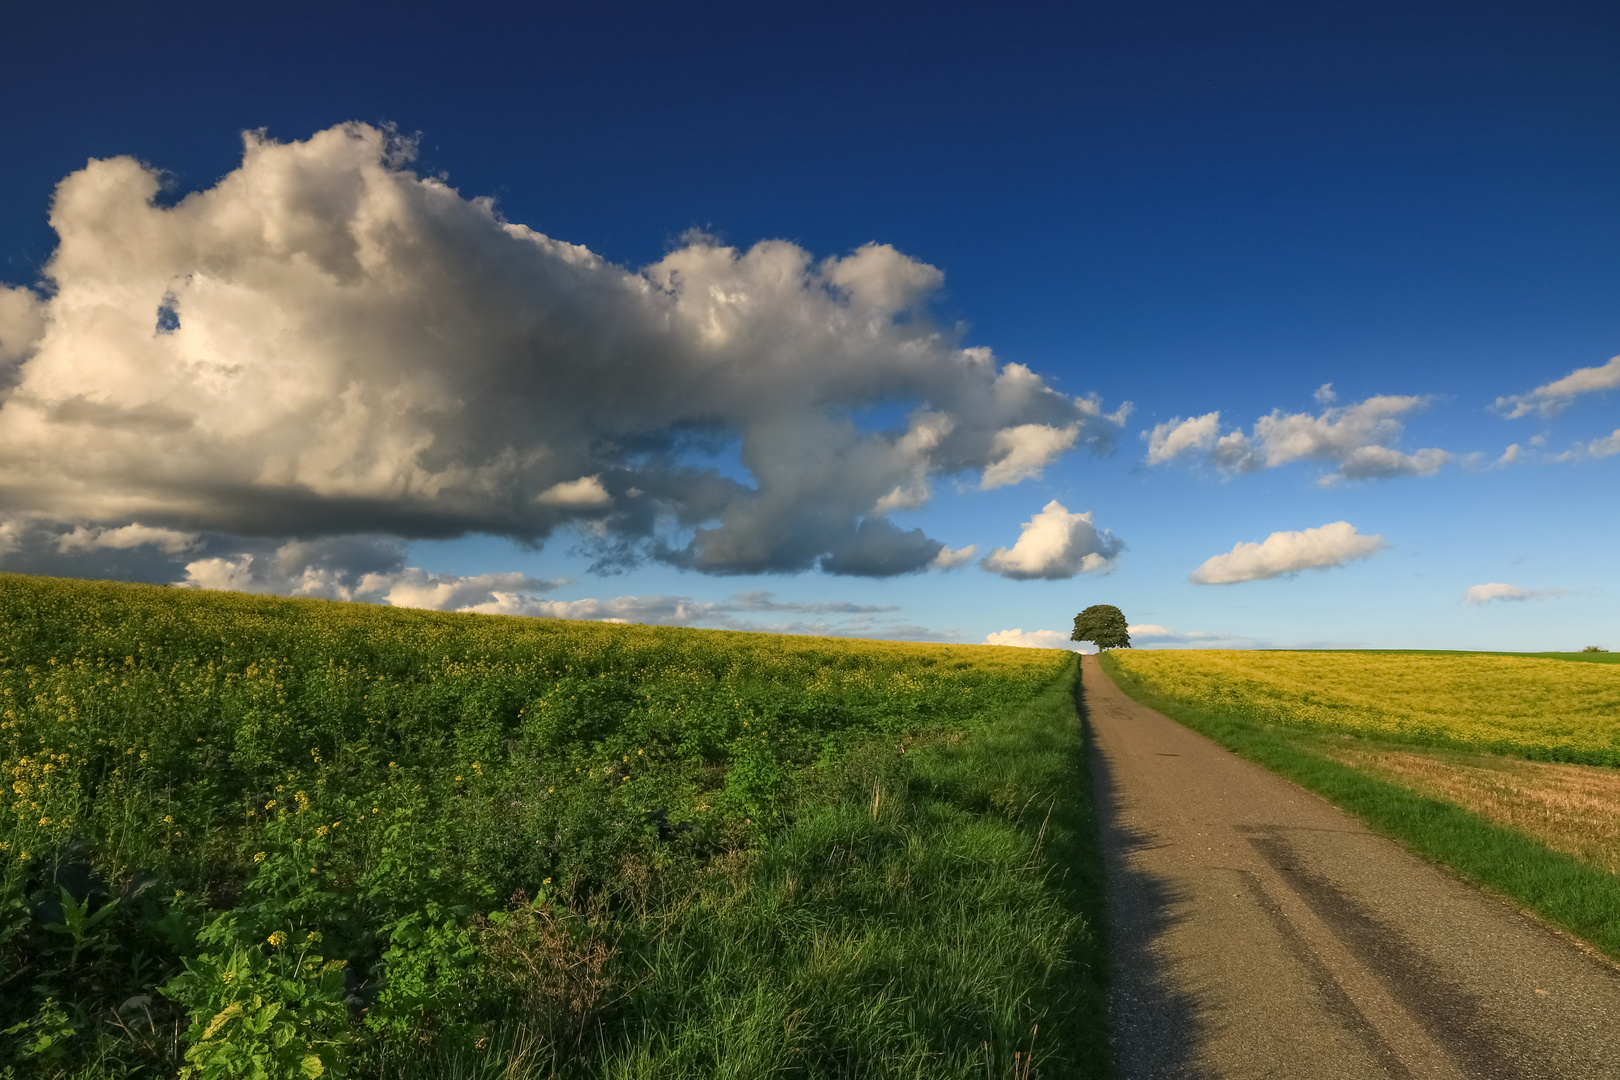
{"points": [[1583, 899], [927, 914]]}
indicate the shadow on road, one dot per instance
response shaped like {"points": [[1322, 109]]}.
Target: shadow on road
{"points": [[1155, 1027]]}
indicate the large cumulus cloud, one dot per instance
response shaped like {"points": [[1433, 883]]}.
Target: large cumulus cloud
{"points": [[325, 343]]}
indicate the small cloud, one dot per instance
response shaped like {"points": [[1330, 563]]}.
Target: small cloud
{"points": [[1607, 446], [1286, 553], [1037, 639], [1324, 394], [1510, 455], [583, 493], [1176, 436], [950, 559], [1553, 397], [1054, 545], [1496, 590]]}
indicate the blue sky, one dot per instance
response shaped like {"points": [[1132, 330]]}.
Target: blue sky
{"points": [[1190, 209]]}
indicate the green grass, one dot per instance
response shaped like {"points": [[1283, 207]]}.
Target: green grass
{"points": [[262, 833], [1576, 896], [934, 917]]}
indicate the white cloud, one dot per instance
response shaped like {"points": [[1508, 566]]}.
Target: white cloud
{"points": [[1175, 436], [1607, 446], [1356, 439], [1510, 455], [415, 588], [1288, 553], [1325, 394], [1056, 544], [1550, 398], [949, 559], [1023, 451], [22, 322], [586, 492], [369, 569], [82, 539], [1496, 590], [326, 342], [1038, 639]]}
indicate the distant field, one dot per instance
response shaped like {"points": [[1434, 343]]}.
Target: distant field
{"points": [[1532, 707], [1582, 657], [312, 837]]}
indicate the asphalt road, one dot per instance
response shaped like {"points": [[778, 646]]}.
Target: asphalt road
{"points": [[1257, 931]]}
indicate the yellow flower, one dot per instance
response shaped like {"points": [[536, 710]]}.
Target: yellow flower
{"points": [[278, 939], [259, 857], [313, 935], [168, 819]]}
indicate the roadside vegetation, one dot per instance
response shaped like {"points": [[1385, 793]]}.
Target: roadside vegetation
{"points": [[243, 836], [1500, 767]]}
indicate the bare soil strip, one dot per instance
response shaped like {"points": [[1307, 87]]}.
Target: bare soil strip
{"points": [[1257, 931], [1574, 809]]}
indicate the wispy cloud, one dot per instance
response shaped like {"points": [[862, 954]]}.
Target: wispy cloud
{"points": [[1553, 397], [1286, 553], [373, 570], [1147, 635], [1496, 590]]}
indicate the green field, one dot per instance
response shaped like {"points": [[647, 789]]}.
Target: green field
{"points": [[249, 836]]}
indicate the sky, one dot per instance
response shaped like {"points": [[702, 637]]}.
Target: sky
{"points": [[1273, 325]]}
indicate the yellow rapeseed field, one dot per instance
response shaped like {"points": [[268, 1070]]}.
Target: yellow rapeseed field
{"points": [[1532, 707]]}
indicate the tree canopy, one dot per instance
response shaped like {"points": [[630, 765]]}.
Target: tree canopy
{"points": [[1103, 625]]}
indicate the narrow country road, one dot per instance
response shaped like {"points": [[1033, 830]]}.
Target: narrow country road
{"points": [[1257, 931]]}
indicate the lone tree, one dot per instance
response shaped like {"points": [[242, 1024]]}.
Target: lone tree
{"points": [[1104, 626]]}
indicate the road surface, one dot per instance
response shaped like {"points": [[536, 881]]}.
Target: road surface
{"points": [[1257, 931]]}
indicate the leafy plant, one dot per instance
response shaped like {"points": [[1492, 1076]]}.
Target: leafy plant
{"points": [[270, 1011]]}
